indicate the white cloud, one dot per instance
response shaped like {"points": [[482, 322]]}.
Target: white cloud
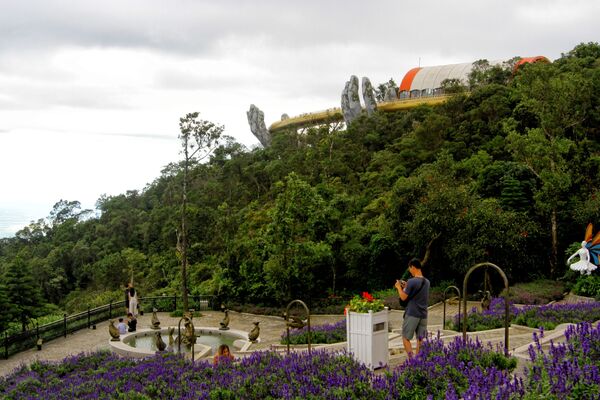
{"points": [[91, 95]]}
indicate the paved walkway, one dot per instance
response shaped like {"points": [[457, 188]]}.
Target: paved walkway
{"points": [[271, 328]]}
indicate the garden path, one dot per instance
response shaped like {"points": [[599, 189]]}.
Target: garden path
{"points": [[88, 340]]}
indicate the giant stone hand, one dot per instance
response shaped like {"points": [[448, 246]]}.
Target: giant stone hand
{"points": [[256, 120], [368, 96], [351, 107]]}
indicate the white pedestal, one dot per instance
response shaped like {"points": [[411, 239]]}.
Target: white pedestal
{"points": [[367, 335]]}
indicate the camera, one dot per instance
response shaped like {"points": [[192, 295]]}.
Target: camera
{"points": [[402, 283]]}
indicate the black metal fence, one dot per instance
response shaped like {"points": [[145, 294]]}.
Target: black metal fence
{"points": [[88, 319]]}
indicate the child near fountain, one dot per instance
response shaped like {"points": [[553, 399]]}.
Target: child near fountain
{"points": [[122, 327], [223, 355]]}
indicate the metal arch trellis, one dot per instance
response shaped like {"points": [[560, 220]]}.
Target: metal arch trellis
{"points": [[444, 315], [506, 311], [287, 325]]}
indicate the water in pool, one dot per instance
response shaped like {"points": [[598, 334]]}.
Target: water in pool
{"points": [[214, 341]]}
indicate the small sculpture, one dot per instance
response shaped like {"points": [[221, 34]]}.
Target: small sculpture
{"points": [[225, 323], [295, 322], [189, 334], [588, 253], [155, 321], [253, 334], [114, 332], [171, 346], [486, 300], [160, 343]]}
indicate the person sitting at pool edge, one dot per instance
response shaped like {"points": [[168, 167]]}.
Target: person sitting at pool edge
{"points": [[131, 322], [122, 327]]}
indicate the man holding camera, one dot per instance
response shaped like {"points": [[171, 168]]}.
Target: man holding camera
{"points": [[416, 291]]}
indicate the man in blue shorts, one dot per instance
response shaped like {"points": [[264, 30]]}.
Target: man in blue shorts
{"points": [[416, 291]]}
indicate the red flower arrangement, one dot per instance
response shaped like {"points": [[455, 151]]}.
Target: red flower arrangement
{"points": [[364, 303]]}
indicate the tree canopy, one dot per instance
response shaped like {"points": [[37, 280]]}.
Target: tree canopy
{"points": [[506, 173]]}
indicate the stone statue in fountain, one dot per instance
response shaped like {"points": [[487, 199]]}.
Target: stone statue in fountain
{"points": [[159, 342], [171, 346], [225, 323], [256, 120], [254, 333], [155, 321], [114, 332], [189, 334]]}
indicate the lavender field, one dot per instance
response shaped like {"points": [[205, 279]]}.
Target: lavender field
{"points": [[455, 370]]}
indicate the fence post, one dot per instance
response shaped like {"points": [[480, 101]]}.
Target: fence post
{"points": [[65, 324], [88, 318], [175, 302], [6, 345], [110, 310]]}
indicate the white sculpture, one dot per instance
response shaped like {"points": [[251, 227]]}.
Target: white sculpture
{"points": [[588, 253]]}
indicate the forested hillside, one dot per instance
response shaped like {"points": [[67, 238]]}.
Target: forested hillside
{"points": [[507, 171]]}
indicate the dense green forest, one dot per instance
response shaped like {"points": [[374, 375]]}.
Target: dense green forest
{"points": [[506, 171]]}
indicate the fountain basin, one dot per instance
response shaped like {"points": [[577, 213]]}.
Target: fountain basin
{"points": [[141, 343]]}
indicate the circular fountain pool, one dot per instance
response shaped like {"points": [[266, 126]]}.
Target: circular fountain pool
{"points": [[141, 343]]}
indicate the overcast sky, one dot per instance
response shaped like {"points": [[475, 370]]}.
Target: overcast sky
{"points": [[91, 92]]}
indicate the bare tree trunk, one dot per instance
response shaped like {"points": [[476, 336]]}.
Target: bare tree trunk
{"points": [[184, 239], [333, 270], [554, 255], [428, 250]]}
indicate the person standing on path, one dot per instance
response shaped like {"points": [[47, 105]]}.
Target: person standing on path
{"points": [[416, 291], [126, 297], [133, 301]]}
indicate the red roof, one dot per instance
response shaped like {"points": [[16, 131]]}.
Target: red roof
{"points": [[528, 60], [408, 78]]}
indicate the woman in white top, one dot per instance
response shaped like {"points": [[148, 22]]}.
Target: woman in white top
{"points": [[133, 301]]}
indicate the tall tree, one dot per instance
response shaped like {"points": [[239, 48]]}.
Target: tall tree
{"points": [[5, 315], [22, 292], [296, 239], [560, 101], [198, 139]]}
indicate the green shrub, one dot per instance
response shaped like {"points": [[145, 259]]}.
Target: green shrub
{"points": [[80, 300], [588, 285]]}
